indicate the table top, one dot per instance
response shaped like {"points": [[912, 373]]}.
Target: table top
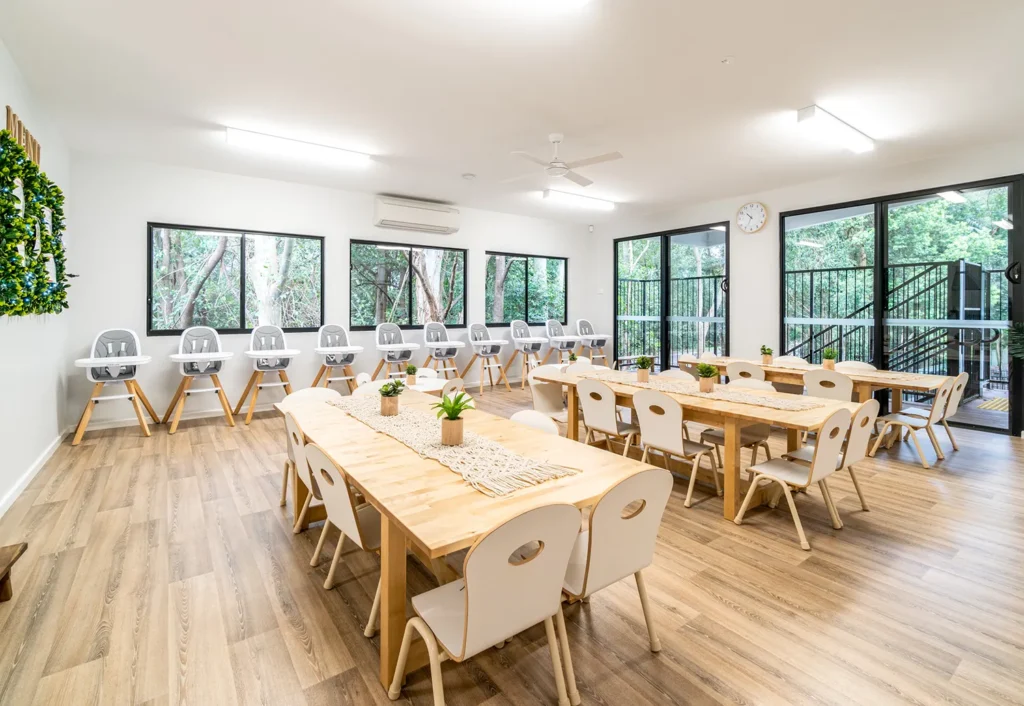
{"points": [[804, 420], [427, 385], [444, 344], [433, 505], [201, 357], [564, 338], [112, 360], [880, 378], [490, 342], [531, 339], [398, 346], [274, 353], [337, 350]]}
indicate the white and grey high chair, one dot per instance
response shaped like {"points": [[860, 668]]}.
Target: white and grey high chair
{"points": [[526, 344], [393, 350], [200, 355], [560, 341], [440, 349], [488, 350], [333, 345], [270, 354], [116, 357], [590, 341]]}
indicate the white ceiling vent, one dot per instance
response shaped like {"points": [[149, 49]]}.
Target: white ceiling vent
{"points": [[423, 216]]}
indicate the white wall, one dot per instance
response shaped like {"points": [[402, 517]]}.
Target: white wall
{"points": [[115, 199], [754, 259], [32, 355]]}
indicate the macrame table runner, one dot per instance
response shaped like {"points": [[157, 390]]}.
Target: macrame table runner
{"points": [[692, 389], [882, 376], [486, 465]]}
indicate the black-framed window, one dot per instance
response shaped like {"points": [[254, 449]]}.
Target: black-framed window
{"points": [[408, 285], [232, 280], [531, 288]]}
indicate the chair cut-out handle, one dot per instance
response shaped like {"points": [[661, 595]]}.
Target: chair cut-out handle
{"points": [[628, 513], [519, 557], [327, 477]]}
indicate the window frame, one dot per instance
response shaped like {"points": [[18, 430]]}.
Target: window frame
{"points": [[152, 225], [412, 246], [526, 288]]}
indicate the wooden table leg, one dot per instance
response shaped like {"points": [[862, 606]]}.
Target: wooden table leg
{"points": [[863, 392], [392, 597], [731, 470], [896, 401], [792, 439], [573, 432]]}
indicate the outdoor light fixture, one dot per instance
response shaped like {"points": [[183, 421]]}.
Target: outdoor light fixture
{"points": [[828, 128], [577, 201], [296, 149]]}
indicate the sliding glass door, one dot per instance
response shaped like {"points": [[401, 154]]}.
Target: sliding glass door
{"points": [[638, 290], [696, 294]]}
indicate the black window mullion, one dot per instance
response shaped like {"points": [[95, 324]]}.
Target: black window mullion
{"points": [[241, 276], [526, 290], [408, 302]]}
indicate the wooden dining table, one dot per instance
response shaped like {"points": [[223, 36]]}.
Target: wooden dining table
{"points": [[727, 415], [431, 509]]}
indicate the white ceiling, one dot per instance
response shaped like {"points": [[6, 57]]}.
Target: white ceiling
{"points": [[437, 88]]}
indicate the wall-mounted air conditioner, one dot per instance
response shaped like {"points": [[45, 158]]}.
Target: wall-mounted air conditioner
{"points": [[423, 216]]}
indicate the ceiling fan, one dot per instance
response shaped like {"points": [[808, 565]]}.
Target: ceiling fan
{"points": [[558, 168]]}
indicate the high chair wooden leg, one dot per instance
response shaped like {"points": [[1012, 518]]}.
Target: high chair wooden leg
{"points": [[551, 349], [483, 364], [255, 396], [570, 674], [245, 393], [83, 421], [283, 376], [181, 405], [351, 382], [501, 374], [145, 402], [225, 405], [371, 623], [526, 371], [319, 375], [387, 372], [490, 376], [329, 583], [376, 371], [427, 362], [174, 400], [645, 603], [137, 404], [556, 663], [469, 366]]}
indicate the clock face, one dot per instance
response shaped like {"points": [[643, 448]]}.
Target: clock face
{"points": [[752, 217]]}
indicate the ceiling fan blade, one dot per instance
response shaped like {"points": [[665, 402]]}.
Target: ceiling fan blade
{"points": [[610, 157], [530, 158], [577, 179]]}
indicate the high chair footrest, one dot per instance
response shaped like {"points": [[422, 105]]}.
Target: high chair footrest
{"points": [[104, 398], [199, 390], [263, 385], [341, 377]]}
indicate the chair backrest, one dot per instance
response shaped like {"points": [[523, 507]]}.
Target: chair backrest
{"points": [[624, 528], [362, 379], [580, 366], [426, 373], [268, 338], [680, 373], [861, 429], [369, 388], [506, 594], [746, 371], [297, 452], [584, 328], [661, 421], [336, 494], [790, 360], [708, 356], [554, 327], [434, 332], [687, 358], [520, 330], [478, 333], [537, 420], [940, 400], [956, 396], [828, 384], [547, 396], [598, 403], [389, 333], [852, 365], [309, 394], [751, 384], [829, 445], [114, 343], [334, 336], [453, 385], [200, 339]]}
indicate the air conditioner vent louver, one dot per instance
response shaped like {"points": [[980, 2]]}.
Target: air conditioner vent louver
{"points": [[422, 216]]}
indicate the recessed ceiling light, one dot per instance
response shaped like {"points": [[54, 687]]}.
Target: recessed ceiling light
{"points": [[1004, 224], [809, 244], [728, 60], [577, 201], [296, 149], [469, 176], [721, 228], [953, 196], [829, 128]]}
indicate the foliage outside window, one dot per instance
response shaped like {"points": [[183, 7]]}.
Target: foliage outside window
{"points": [[198, 276], [525, 287], [408, 285]]}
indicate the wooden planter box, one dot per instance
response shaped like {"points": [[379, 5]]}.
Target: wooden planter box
{"points": [[643, 375], [707, 384], [451, 432], [388, 406]]}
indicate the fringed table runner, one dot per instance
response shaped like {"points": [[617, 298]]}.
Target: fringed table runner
{"points": [[692, 389], [485, 464]]}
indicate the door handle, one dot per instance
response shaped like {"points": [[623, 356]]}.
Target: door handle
{"points": [[1012, 273], [724, 286]]}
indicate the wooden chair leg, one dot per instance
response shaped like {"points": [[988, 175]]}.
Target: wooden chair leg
{"points": [[181, 405], [224, 404], [628, 442], [556, 663], [643, 457], [935, 442], [137, 405], [570, 674], [329, 583], [880, 439], [371, 623], [645, 603], [174, 400], [245, 393], [416, 624], [860, 494], [714, 473], [746, 500], [255, 396], [920, 451], [804, 544], [693, 482], [830, 505], [284, 482], [145, 402], [83, 421], [320, 544], [376, 371], [949, 433], [302, 513]]}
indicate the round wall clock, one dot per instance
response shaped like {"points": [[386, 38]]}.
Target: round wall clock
{"points": [[751, 217]]}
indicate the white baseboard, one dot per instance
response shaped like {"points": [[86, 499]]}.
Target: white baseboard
{"points": [[133, 422], [8, 499]]}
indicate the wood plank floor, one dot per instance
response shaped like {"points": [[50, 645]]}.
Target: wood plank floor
{"points": [[163, 571]]}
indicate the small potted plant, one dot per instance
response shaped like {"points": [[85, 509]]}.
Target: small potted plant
{"points": [[828, 358], [643, 368], [572, 357], [389, 393], [707, 374], [449, 411], [410, 375], [766, 355]]}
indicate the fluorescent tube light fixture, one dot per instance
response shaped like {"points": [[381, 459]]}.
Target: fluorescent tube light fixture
{"points": [[296, 149], [577, 201], [827, 127], [809, 244], [721, 228], [953, 196], [1004, 224]]}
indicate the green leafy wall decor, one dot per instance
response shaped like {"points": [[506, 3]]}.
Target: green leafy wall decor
{"points": [[27, 245]]}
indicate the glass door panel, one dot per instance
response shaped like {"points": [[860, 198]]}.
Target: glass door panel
{"points": [[829, 283], [697, 294], [638, 306], [947, 301]]}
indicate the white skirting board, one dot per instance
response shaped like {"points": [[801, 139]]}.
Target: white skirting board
{"points": [[12, 494]]}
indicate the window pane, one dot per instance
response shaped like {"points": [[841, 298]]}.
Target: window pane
{"points": [[505, 289], [282, 281], [696, 304], [196, 279], [829, 280], [638, 301], [379, 285], [438, 277], [547, 289]]}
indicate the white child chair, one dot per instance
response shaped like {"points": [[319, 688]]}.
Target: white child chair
{"points": [[116, 357], [753, 437], [911, 424], [828, 384], [200, 355], [560, 342], [537, 420], [851, 366], [338, 354], [296, 399], [505, 591], [393, 349], [488, 350], [790, 360], [547, 396], [952, 407], [270, 353], [297, 453], [592, 343], [741, 370], [600, 415], [527, 345], [441, 351]]}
